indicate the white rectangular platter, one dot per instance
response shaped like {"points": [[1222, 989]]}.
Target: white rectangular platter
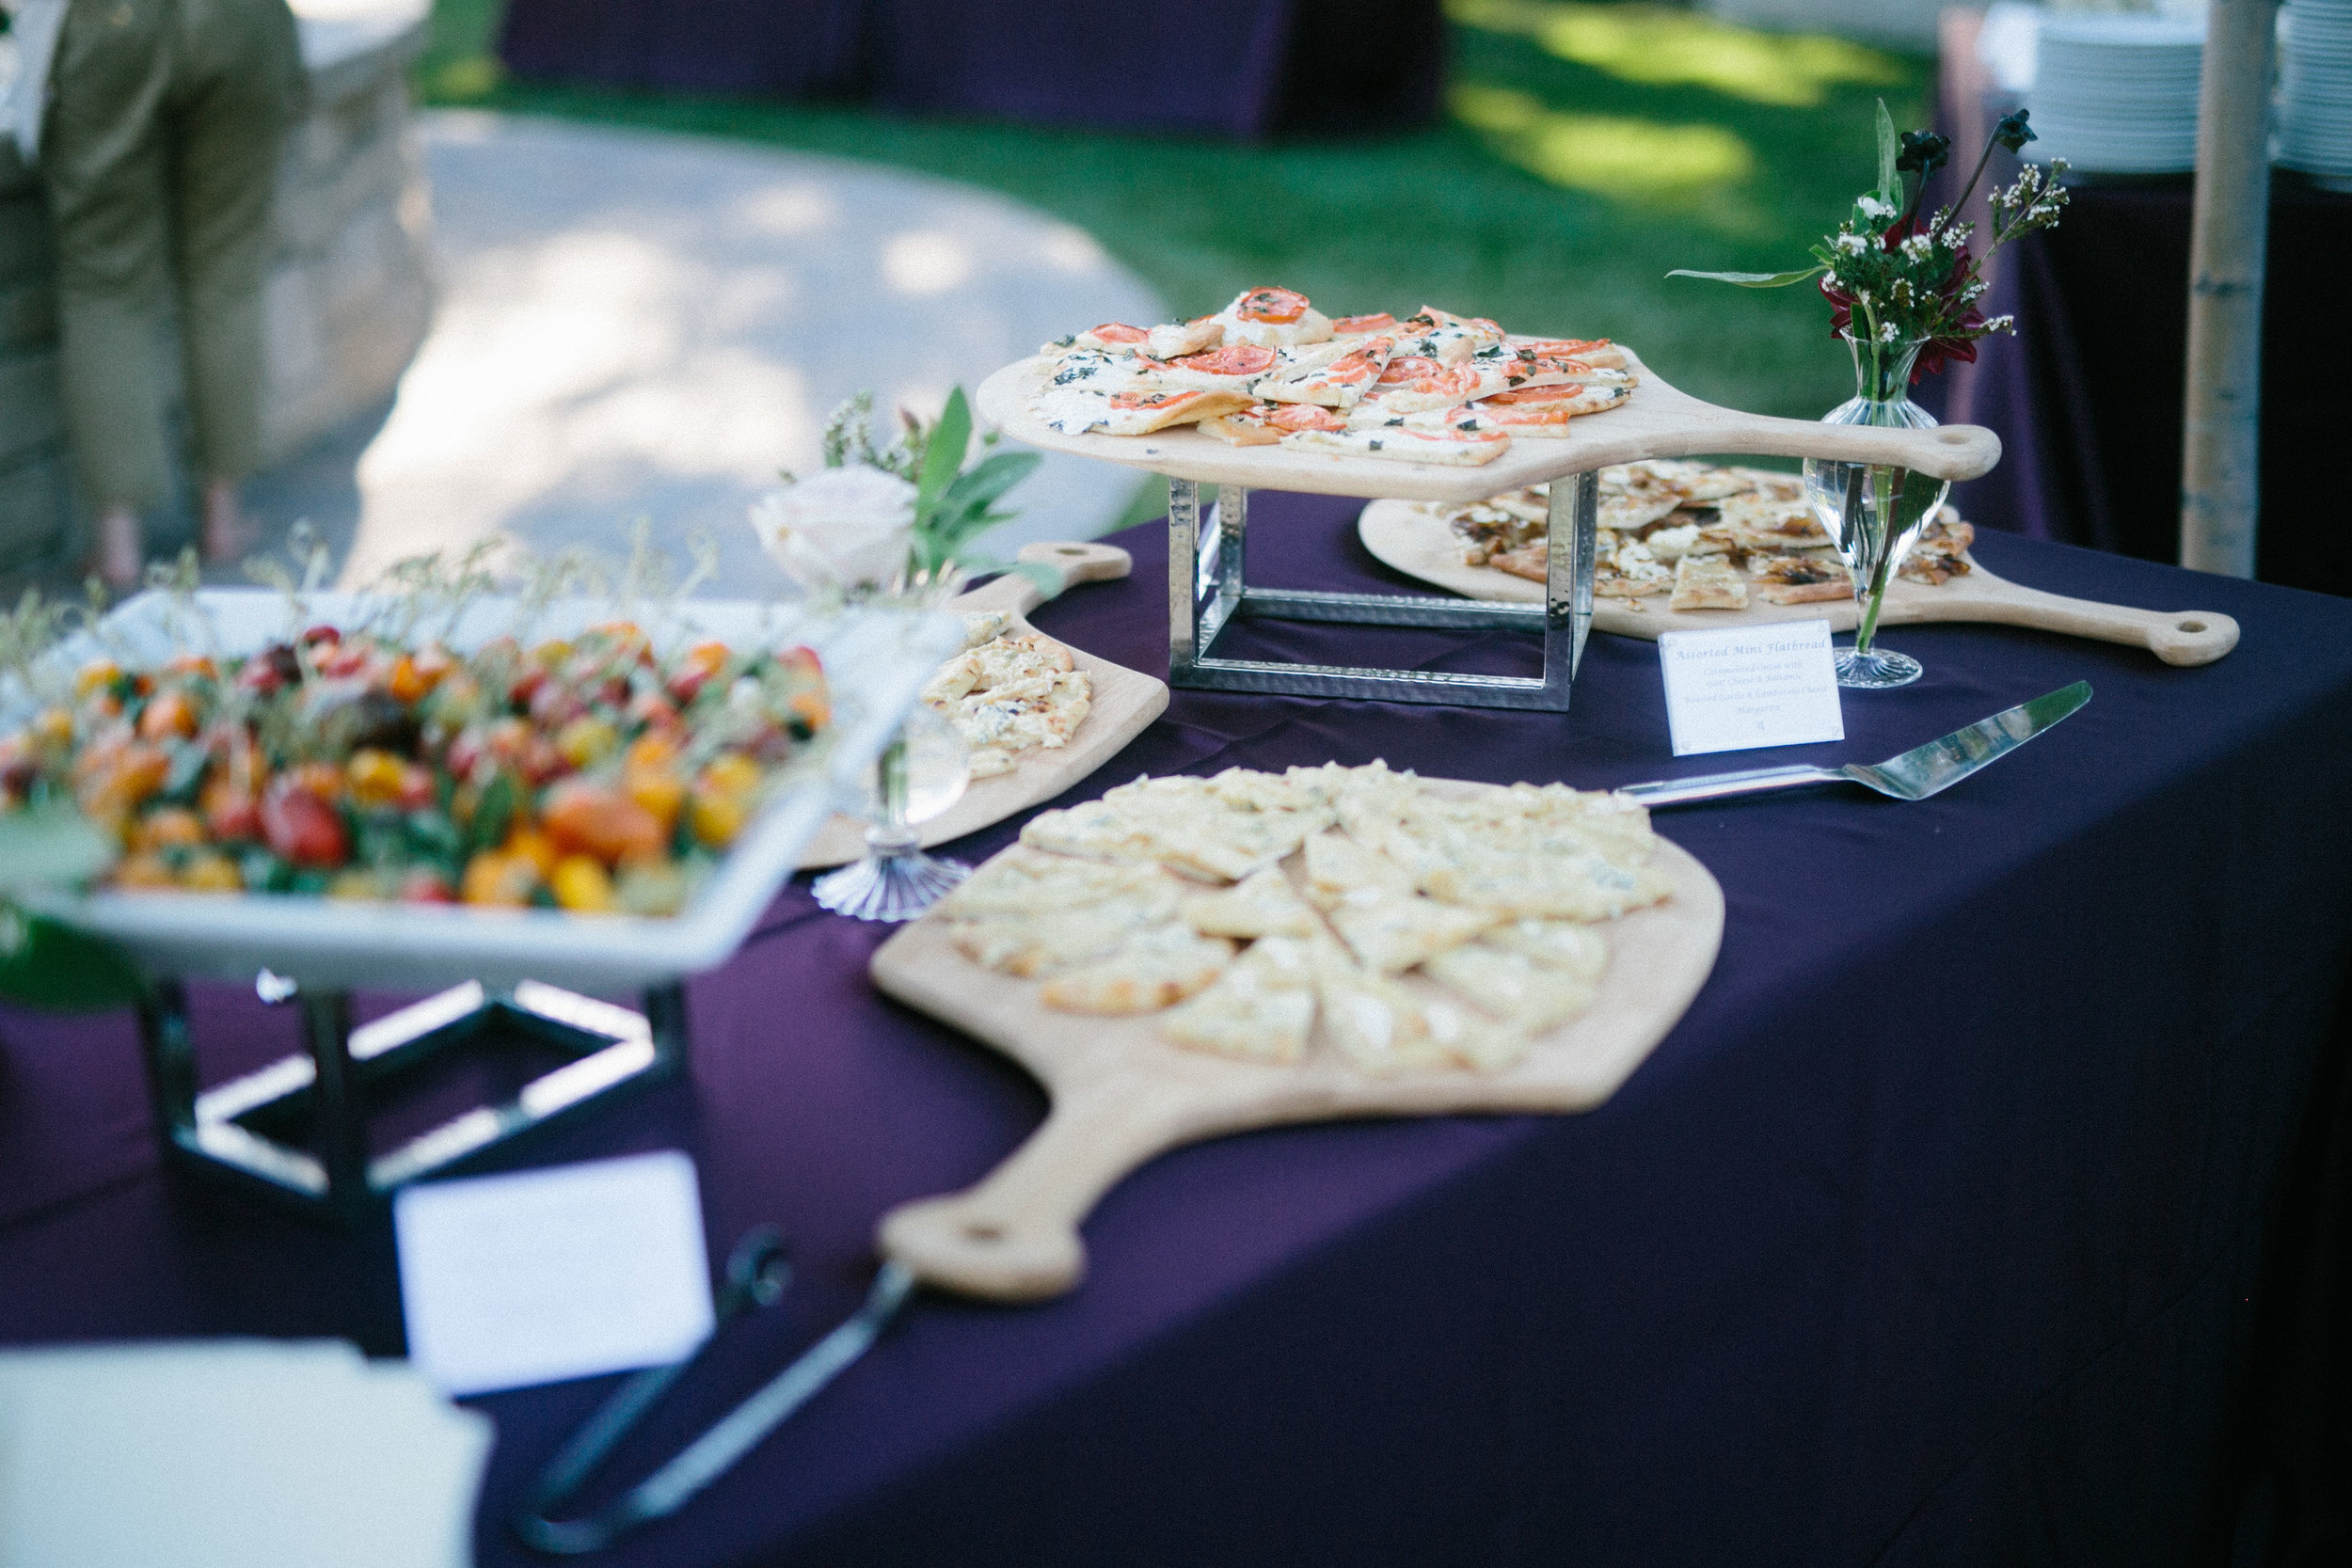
{"points": [[1659, 421], [874, 662]]}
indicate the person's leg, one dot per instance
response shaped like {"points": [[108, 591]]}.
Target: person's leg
{"points": [[103, 164], [233, 101]]}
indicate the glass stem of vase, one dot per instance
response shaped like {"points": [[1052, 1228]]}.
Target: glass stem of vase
{"points": [[891, 835]]}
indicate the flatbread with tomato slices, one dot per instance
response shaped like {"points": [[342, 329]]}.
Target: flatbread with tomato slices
{"points": [[1134, 413], [1273, 318], [1433, 386], [1340, 384]]}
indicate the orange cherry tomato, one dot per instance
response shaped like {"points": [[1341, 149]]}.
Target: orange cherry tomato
{"points": [[592, 820], [172, 828], [168, 713], [500, 881]]}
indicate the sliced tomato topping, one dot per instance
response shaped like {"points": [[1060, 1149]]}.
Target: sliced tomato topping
{"points": [[1305, 416], [1233, 359], [1271, 305], [1349, 326], [1118, 332], [1534, 394], [1411, 367], [1561, 347], [1149, 400]]}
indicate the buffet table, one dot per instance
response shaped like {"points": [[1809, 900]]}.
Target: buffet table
{"points": [[1965, 1217]]}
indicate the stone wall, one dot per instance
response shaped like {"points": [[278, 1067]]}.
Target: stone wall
{"points": [[349, 293]]}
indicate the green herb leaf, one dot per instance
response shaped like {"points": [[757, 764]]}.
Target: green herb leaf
{"points": [[51, 846], [943, 458], [54, 967], [493, 813], [1753, 279]]}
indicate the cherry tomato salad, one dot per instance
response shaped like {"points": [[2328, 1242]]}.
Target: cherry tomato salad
{"points": [[586, 774]]}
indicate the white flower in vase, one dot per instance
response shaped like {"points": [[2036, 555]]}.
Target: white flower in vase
{"points": [[847, 528]]}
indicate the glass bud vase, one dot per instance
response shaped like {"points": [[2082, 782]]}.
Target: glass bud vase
{"points": [[1874, 514], [922, 773]]}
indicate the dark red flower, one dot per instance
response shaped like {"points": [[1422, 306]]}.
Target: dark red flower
{"points": [[1936, 353]]}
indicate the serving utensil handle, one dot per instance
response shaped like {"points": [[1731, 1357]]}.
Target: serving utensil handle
{"points": [[1715, 786]]}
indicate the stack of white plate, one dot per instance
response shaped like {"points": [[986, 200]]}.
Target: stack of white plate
{"points": [[2118, 93], [2315, 88]]}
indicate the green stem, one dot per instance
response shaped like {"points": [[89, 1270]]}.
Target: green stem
{"points": [[1886, 486]]}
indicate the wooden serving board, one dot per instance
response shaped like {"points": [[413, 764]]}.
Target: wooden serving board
{"points": [[1413, 538], [1122, 1094], [1659, 421], [1126, 701]]}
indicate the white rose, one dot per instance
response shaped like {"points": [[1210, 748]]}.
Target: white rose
{"points": [[847, 528]]}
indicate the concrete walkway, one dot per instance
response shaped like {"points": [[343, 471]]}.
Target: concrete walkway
{"points": [[634, 325]]}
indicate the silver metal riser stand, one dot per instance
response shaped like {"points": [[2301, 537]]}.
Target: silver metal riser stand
{"points": [[1208, 587]]}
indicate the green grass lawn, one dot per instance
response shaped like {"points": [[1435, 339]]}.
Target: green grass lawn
{"points": [[1587, 149]]}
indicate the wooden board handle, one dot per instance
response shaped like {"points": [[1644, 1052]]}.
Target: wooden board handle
{"points": [[2178, 636], [1078, 561], [1954, 451], [1014, 1236], [1018, 594]]}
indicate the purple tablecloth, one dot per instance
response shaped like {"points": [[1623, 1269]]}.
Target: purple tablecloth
{"points": [[1247, 69], [1967, 1217]]}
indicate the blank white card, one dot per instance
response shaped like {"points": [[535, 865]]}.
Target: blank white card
{"points": [[507, 1282]]}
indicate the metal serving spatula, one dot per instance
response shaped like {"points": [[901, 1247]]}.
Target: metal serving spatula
{"points": [[1913, 776]]}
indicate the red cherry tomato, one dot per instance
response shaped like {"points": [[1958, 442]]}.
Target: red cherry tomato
{"points": [[303, 829]]}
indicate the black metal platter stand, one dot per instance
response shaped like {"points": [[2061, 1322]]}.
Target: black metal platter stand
{"points": [[1208, 587], [296, 1131]]}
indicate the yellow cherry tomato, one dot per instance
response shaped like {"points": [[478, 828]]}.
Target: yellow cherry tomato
{"points": [[659, 790], [533, 847], [375, 778], [716, 816], [210, 871], [579, 884], [731, 774], [587, 740]]}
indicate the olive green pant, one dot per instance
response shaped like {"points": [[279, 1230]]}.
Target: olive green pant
{"points": [[160, 157]]}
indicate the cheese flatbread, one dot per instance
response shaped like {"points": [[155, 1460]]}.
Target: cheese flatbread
{"points": [[1708, 582], [1153, 968], [1392, 932], [1261, 905], [1260, 1010]]}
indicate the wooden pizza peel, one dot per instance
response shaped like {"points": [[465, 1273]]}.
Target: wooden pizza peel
{"points": [[1122, 1094], [1413, 538]]}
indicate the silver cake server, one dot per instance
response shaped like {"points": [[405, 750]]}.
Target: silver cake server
{"points": [[1913, 776]]}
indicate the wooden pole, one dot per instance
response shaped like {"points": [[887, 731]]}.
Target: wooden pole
{"points": [[2220, 470]]}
